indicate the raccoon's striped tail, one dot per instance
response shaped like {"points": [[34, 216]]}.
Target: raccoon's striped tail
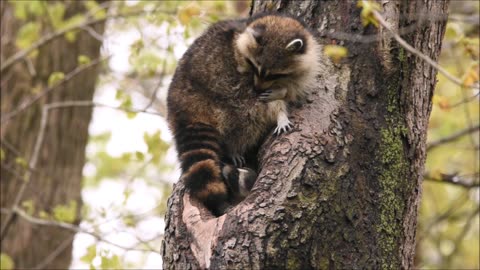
{"points": [[204, 173]]}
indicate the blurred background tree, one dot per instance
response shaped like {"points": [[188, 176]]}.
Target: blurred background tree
{"points": [[130, 163]]}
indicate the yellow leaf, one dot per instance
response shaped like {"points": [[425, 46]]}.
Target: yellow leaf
{"points": [[186, 13], [441, 101], [471, 76], [367, 16], [335, 52]]}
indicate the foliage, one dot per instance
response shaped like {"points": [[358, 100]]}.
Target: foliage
{"points": [[6, 263], [448, 224], [156, 37]]}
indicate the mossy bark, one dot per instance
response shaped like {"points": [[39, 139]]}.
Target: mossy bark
{"points": [[57, 177], [341, 191]]}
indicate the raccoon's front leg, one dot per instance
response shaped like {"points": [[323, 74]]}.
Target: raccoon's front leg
{"points": [[273, 95], [238, 160], [278, 111]]}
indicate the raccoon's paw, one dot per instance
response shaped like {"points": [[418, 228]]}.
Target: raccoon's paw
{"points": [[272, 95], [283, 125], [238, 160]]}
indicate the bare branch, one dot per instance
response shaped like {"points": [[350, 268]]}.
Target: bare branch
{"points": [[67, 226], [45, 39], [157, 86], [419, 54], [55, 253], [37, 97], [465, 100], [39, 142], [93, 33], [452, 179], [453, 137]]}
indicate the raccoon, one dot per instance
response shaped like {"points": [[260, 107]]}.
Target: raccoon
{"points": [[229, 90]]}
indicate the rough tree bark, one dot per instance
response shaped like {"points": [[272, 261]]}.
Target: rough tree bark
{"points": [[56, 179], [341, 191]]}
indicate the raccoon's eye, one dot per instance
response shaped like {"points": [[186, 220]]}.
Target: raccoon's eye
{"points": [[252, 66], [272, 77]]}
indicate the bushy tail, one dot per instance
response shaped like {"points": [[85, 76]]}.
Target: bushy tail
{"points": [[206, 176]]}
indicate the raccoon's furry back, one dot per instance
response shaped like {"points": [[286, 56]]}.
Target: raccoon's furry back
{"points": [[203, 92]]}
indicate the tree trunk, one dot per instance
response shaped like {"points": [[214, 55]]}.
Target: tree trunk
{"points": [[56, 180], [342, 190]]}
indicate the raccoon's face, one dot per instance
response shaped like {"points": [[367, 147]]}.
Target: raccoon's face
{"points": [[279, 52]]}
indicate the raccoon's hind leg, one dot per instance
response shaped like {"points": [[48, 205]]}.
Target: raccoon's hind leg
{"points": [[239, 180], [200, 151]]}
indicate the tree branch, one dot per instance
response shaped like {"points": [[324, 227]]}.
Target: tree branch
{"points": [[45, 39], [67, 226], [452, 137], [39, 142], [68, 77], [419, 54], [452, 179]]}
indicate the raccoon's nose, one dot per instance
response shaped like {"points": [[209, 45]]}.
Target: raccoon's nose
{"points": [[261, 85]]}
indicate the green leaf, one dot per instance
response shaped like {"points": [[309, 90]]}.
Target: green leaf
{"points": [[35, 8], [90, 255], [140, 156], [66, 213], [43, 215], [6, 263], [83, 60], [57, 12], [93, 6], [71, 36], [29, 206], [111, 263], [20, 9], [27, 34], [55, 77], [2, 154], [22, 162], [129, 221], [156, 146]]}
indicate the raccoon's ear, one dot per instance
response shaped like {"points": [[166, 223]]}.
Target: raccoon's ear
{"points": [[256, 32], [237, 26], [295, 45]]}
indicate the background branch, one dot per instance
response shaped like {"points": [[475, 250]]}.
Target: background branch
{"points": [[452, 137], [419, 54]]}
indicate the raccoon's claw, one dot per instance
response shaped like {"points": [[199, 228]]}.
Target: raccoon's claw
{"points": [[283, 127], [238, 161], [271, 95]]}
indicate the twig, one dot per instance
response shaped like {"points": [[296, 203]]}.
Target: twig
{"points": [[157, 86], [45, 39], [465, 100], [452, 137], [452, 179], [463, 233], [37, 97], [414, 51], [93, 33], [52, 256], [39, 142], [67, 226]]}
